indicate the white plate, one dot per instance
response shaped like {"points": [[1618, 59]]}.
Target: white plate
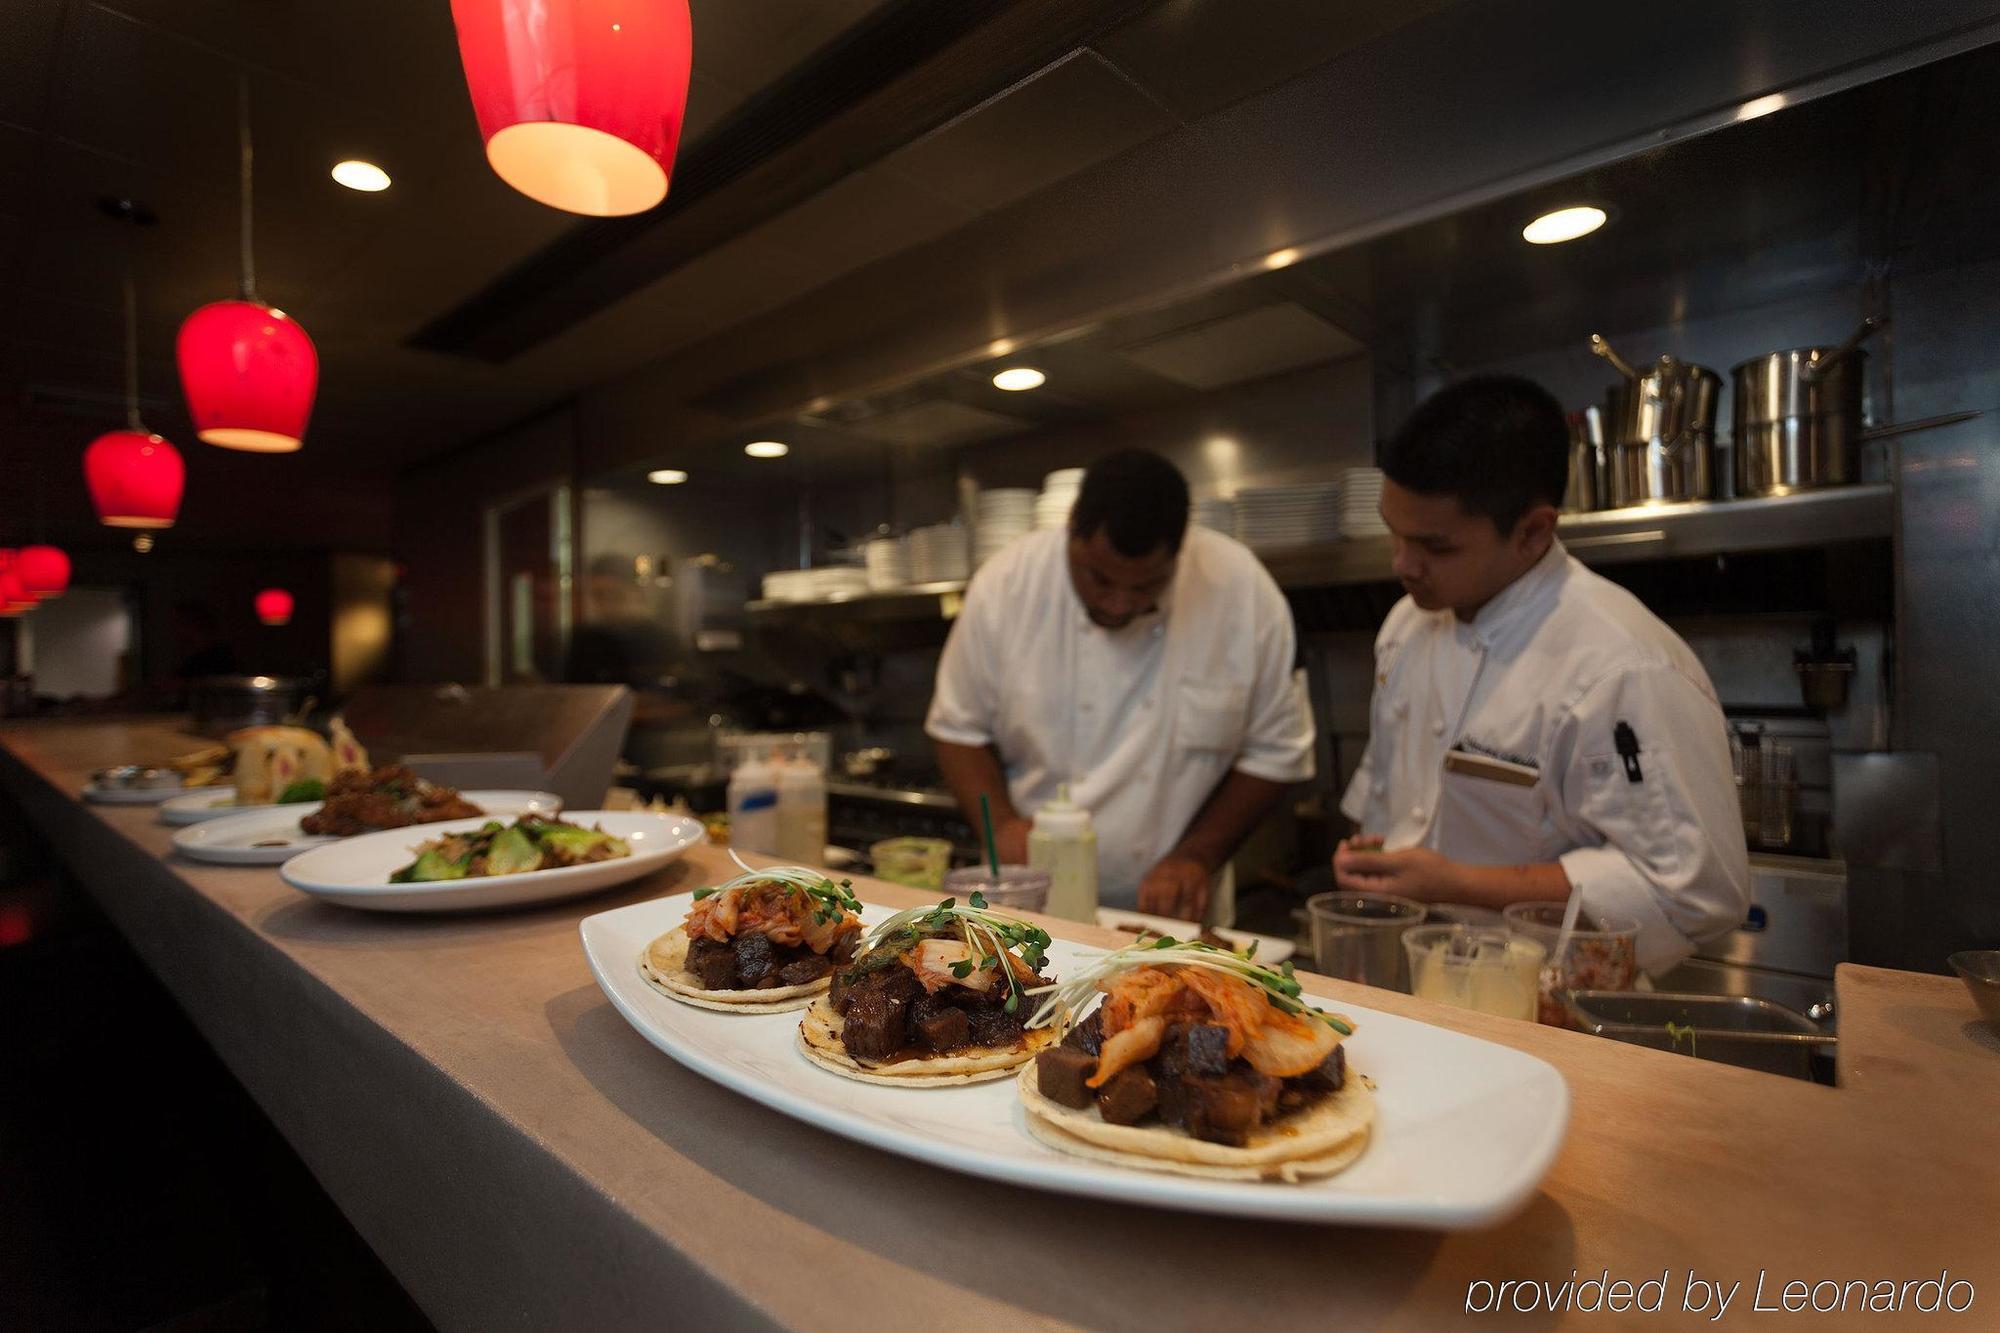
{"points": [[129, 795], [355, 871], [269, 835], [1464, 1129], [1270, 949], [200, 803]]}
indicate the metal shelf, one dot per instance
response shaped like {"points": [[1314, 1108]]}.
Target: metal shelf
{"points": [[1606, 537]]}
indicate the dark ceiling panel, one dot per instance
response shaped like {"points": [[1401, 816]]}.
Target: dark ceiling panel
{"points": [[29, 37], [136, 92], [1253, 344], [1199, 56], [1072, 114]]}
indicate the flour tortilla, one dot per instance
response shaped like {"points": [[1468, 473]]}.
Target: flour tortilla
{"points": [[819, 1041], [1318, 1141], [664, 966]]}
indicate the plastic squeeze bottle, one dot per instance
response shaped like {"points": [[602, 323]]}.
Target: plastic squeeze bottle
{"points": [[801, 812], [753, 806], [1064, 844]]}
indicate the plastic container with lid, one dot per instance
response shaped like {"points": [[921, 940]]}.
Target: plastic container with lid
{"points": [[1063, 843], [753, 806]]}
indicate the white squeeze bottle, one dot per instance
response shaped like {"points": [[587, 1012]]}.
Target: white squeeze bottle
{"points": [[801, 812], [1064, 844], [753, 806]]}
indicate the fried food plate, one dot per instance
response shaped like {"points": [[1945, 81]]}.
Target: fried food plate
{"points": [[1464, 1129], [354, 872]]}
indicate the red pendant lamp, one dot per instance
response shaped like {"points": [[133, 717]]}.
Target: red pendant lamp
{"points": [[14, 598], [580, 101], [248, 370], [274, 606], [44, 571], [135, 477]]}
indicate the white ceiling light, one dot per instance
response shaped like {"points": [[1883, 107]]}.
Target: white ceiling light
{"points": [[666, 476], [1284, 258], [1016, 378], [1564, 224], [363, 176], [767, 449], [1761, 106]]}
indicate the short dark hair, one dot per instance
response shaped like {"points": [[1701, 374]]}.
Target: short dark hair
{"points": [[1138, 498], [1498, 444]]}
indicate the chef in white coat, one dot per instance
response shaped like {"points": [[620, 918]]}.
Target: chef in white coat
{"points": [[1534, 728], [1146, 664]]}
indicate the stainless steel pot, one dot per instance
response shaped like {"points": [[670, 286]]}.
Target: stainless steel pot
{"points": [[1797, 417], [1587, 489], [1659, 434]]}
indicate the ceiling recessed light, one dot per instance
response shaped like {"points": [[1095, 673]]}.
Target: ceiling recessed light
{"points": [[1761, 106], [666, 476], [1564, 224], [766, 449], [1284, 258], [363, 176], [1016, 378]]}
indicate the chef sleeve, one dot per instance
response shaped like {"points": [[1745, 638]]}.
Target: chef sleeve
{"points": [[1278, 737], [965, 701], [1662, 832]]}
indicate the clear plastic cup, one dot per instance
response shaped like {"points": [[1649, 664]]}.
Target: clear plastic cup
{"points": [[918, 863], [1602, 954], [1021, 888], [1490, 971], [1359, 936]]}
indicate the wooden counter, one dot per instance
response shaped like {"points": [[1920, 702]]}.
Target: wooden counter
{"points": [[521, 1158]]}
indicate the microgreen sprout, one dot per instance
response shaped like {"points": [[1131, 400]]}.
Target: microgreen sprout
{"points": [[987, 934], [829, 900]]}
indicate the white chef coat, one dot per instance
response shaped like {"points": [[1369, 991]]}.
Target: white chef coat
{"points": [[1141, 722], [1541, 678]]}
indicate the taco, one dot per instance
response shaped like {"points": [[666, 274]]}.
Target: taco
{"points": [[938, 996], [1199, 1062], [766, 942]]}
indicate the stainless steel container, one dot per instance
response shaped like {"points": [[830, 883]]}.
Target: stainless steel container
{"points": [[1659, 433], [1797, 417], [1733, 1029], [1587, 489], [221, 704]]}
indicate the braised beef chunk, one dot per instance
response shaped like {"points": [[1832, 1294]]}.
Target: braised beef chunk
{"points": [[712, 964], [940, 1026], [994, 1027], [1060, 1072], [1332, 1072], [1197, 1048], [843, 948], [803, 970], [1128, 1097], [1087, 1036], [756, 958], [874, 1026], [1221, 1109]]}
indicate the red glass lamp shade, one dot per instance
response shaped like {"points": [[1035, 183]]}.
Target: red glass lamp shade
{"points": [[580, 101], [14, 598], [44, 571], [274, 606], [249, 373], [135, 479]]}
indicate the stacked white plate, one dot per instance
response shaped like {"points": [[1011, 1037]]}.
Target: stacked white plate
{"points": [[1217, 512], [940, 554], [1059, 492], [1361, 503], [1001, 516], [887, 562], [1275, 518], [815, 585]]}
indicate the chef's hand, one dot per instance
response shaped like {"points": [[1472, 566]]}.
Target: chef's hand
{"points": [[1010, 837], [1361, 866], [1176, 887]]}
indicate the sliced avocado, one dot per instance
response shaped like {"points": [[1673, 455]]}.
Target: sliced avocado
{"points": [[431, 865], [513, 852]]}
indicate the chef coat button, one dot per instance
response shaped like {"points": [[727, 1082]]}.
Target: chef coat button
{"points": [[1437, 728], [1403, 708], [1416, 812]]}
